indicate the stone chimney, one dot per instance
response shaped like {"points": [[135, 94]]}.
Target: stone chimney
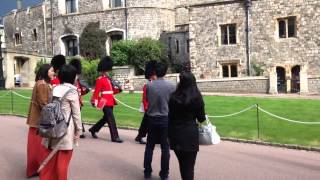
{"points": [[19, 4]]}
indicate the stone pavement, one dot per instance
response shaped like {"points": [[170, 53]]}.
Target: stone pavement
{"points": [[100, 159]]}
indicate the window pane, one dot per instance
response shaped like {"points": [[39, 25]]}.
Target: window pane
{"points": [[117, 3], [234, 71], [224, 34], [292, 27], [232, 34], [188, 46], [282, 29], [177, 46], [225, 71]]}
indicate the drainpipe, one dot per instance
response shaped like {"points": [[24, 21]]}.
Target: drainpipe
{"points": [[52, 48], [248, 4], [126, 14]]}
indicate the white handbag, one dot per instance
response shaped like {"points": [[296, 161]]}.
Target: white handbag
{"points": [[208, 134]]}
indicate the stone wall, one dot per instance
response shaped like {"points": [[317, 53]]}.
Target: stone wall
{"points": [[235, 85], [206, 52], [23, 22], [314, 85]]}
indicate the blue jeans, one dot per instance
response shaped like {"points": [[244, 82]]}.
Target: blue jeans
{"points": [[157, 133]]}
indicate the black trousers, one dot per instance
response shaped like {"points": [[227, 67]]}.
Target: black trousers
{"points": [[187, 160], [108, 117], [143, 129], [157, 133]]}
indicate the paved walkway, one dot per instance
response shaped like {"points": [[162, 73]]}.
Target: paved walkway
{"points": [[100, 159]]}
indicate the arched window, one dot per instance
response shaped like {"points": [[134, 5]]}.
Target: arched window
{"points": [[112, 37], [71, 45]]}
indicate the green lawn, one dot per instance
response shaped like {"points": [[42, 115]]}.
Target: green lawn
{"points": [[241, 126]]}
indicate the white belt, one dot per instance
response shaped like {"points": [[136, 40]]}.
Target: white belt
{"points": [[107, 92]]}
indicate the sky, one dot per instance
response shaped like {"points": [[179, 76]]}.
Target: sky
{"points": [[7, 5]]}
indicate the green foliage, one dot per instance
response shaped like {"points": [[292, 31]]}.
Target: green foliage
{"points": [[258, 68], [40, 63], [121, 52], [147, 49], [92, 41], [89, 71], [138, 52]]}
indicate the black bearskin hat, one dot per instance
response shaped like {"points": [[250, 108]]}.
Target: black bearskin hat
{"points": [[58, 61], [150, 69], [76, 63], [105, 64]]}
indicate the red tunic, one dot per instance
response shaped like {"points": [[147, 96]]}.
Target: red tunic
{"points": [[81, 91], [55, 81], [105, 90], [144, 98]]}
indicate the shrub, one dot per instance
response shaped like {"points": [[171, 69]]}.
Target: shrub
{"points": [[121, 52], [89, 71]]}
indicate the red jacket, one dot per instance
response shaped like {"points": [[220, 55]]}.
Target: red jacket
{"points": [[144, 98], [81, 91], [55, 81], [105, 90]]}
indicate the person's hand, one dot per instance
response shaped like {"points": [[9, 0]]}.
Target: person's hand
{"points": [[76, 135], [92, 104]]}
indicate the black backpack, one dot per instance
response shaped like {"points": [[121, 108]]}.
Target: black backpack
{"points": [[52, 123]]}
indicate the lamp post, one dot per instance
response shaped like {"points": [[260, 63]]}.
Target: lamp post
{"points": [[1, 70]]}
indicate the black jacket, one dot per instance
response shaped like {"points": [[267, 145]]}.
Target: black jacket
{"points": [[183, 127]]}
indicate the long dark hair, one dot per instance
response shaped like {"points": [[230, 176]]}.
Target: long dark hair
{"points": [[42, 73], [187, 92]]}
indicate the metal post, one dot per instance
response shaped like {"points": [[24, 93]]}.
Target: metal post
{"points": [[11, 101], [2, 83], [258, 121]]}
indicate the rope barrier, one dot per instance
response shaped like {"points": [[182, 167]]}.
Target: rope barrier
{"points": [[24, 97], [126, 105], [285, 119], [233, 114]]}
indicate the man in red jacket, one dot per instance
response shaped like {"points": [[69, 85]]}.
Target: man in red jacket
{"points": [[103, 98], [57, 62], [150, 75]]}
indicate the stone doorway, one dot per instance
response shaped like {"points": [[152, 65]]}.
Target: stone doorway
{"points": [[281, 80], [295, 79], [21, 71]]}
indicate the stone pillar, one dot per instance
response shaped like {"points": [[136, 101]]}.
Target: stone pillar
{"points": [[273, 89], [304, 86]]}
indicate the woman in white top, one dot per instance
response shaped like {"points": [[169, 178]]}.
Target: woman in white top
{"points": [[57, 168]]}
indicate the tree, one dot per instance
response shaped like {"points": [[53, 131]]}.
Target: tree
{"points": [[121, 52], [147, 49], [92, 41]]}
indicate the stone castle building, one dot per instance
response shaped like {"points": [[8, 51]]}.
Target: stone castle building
{"points": [[265, 46]]}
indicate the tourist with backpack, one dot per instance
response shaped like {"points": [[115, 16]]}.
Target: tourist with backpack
{"points": [[63, 133], [41, 95]]}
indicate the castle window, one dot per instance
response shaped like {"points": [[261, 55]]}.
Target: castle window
{"points": [[18, 39], [71, 45], [177, 46], [71, 6], [287, 27], [228, 34], [115, 3], [35, 35], [229, 70]]}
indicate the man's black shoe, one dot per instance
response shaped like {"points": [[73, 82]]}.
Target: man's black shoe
{"points": [[140, 140], [93, 134], [117, 140], [82, 136]]}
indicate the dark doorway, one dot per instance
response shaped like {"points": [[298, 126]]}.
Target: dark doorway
{"points": [[281, 80], [295, 79]]}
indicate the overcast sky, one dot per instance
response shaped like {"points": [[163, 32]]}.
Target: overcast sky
{"points": [[7, 5]]}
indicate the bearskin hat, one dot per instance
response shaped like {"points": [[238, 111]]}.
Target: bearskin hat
{"points": [[150, 69], [76, 63], [105, 64], [58, 61]]}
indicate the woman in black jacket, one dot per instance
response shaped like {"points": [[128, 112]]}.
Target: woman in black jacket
{"points": [[186, 107]]}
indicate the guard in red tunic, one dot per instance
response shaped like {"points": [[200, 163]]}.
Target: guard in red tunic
{"points": [[82, 87], [57, 62], [149, 75], [103, 98]]}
